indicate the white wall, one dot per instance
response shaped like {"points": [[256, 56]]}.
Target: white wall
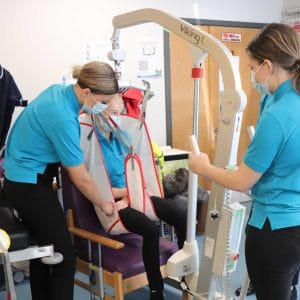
{"points": [[42, 39], [287, 4], [291, 19]]}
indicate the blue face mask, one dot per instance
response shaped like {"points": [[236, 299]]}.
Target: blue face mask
{"points": [[263, 88], [117, 120], [96, 109]]}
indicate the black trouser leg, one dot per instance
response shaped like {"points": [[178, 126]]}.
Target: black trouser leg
{"points": [[168, 212], [42, 214], [272, 259], [139, 223]]}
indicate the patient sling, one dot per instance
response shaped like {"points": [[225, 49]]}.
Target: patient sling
{"points": [[141, 175]]}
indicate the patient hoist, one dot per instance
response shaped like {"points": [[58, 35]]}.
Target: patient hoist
{"points": [[210, 280]]}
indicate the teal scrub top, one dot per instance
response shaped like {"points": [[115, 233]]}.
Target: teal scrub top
{"points": [[275, 152], [114, 156], [47, 131]]}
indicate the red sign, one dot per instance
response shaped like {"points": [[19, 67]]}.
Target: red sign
{"points": [[231, 37]]}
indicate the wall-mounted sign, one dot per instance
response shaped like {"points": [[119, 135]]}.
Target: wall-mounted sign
{"points": [[231, 37], [149, 58]]}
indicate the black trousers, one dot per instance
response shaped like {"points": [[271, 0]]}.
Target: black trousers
{"points": [[296, 278], [41, 212], [139, 223], [273, 260]]}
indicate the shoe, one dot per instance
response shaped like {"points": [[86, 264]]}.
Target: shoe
{"points": [[250, 290], [156, 295], [293, 295]]}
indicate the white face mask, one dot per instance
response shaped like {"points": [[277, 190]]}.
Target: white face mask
{"points": [[116, 119], [96, 109], [263, 88]]}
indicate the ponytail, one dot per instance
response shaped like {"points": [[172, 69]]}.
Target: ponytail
{"points": [[76, 72], [297, 76]]}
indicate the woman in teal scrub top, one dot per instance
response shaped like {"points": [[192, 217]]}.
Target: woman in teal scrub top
{"points": [[271, 166], [46, 134]]}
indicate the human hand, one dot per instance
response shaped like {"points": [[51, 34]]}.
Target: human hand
{"points": [[121, 204], [198, 163], [107, 207]]}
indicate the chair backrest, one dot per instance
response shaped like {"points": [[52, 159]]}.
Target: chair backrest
{"points": [[83, 213], [83, 210]]}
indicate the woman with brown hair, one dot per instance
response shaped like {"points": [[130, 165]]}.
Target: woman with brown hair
{"points": [[46, 134], [271, 166]]}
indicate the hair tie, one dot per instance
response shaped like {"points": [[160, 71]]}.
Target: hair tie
{"points": [[297, 65]]}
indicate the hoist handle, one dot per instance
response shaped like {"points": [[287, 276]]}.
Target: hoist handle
{"points": [[194, 144]]}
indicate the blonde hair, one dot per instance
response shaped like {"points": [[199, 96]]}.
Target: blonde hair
{"points": [[280, 44], [116, 103], [98, 76]]}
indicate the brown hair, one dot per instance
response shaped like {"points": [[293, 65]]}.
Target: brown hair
{"points": [[98, 76], [280, 44]]}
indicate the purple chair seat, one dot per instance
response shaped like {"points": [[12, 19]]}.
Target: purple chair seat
{"points": [[127, 260]]}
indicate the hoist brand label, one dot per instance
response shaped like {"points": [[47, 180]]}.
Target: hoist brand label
{"points": [[191, 33]]}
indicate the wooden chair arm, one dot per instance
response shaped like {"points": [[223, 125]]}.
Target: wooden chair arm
{"points": [[96, 238]]}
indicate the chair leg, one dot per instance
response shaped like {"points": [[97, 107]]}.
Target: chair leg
{"points": [[118, 286]]}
